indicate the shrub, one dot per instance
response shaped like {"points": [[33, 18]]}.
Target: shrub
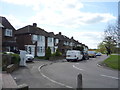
{"points": [[48, 53], [15, 58], [58, 53], [54, 54]]}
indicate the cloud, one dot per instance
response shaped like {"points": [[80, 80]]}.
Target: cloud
{"points": [[64, 13]]}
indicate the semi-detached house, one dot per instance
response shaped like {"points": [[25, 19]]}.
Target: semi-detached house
{"points": [[36, 40], [32, 39], [7, 36]]}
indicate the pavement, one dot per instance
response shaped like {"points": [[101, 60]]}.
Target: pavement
{"points": [[8, 81]]}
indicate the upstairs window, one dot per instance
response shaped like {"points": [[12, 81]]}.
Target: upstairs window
{"points": [[50, 40], [8, 32]]}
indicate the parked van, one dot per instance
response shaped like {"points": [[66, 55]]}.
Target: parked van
{"points": [[73, 55]]}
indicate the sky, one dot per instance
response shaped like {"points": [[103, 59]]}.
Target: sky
{"points": [[84, 20]]}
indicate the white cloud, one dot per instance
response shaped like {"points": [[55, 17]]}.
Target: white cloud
{"points": [[63, 13]]}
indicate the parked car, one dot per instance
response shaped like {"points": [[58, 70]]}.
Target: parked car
{"points": [[9, 52], [98, 54], [92, 54], [29, 57], [85, 56], [73, 55]]}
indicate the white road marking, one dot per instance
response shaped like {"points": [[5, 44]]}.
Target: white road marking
{"points": [[98, 65], [39, 69], [110, 77], [77, 68]]}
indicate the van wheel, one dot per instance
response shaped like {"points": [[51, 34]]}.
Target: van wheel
{"points": [[68, 60]]}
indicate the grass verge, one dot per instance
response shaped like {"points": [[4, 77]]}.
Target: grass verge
{"points": [[113, 62]]}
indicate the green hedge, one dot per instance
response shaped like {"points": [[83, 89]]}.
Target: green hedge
{"points": [[15, 58]]}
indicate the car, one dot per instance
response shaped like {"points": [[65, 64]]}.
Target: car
{"points": [[9, 52], [98, 54], [92, 54], [29, 57], [73, 55], [85, 56]]}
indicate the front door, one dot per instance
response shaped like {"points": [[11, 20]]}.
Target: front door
{"points": [[30, 49]]}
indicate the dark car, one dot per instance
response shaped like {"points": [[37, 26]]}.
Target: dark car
{"points": [[85, 56]]}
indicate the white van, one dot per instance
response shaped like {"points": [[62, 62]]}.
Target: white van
{"points": [[73, 55]]}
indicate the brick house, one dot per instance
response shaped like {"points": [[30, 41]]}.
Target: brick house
{"points": [[64, 43], [36, 40], [7, 35], [32, 39]]}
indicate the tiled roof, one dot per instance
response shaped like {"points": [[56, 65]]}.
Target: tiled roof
{"points": [[6, 23], [31, 30]]}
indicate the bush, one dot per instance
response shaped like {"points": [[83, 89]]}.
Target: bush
{"points": [[58, 53], [54, 54], [48, 53], [15, 58]]}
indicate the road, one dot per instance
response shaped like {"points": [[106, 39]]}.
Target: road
{"points": [[63, 74], [94, 76]]}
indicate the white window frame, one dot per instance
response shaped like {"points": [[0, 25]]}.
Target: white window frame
{"points": [[56, 41], [40, 49], [8, 32], [50, 40]]}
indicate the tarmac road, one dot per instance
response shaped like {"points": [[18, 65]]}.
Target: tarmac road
{"points": [[94, 76], [63, 74]]}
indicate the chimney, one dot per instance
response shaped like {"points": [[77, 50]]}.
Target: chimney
{"points": [[34, 24], [72, 38], [60, 33]]}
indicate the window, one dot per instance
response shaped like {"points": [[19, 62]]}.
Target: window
{"points": [[40, 49], [41, 38], [56, 41], [8, 32], [34, 37], [49, 40]]}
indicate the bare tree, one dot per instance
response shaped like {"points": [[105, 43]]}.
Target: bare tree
{"points": [[112, 37], [113, 31]]}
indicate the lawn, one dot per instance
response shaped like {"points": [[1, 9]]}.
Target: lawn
{"points": [[113, 62]]}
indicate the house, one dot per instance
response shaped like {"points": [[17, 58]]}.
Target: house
{"points": [[64, 43], [50, 41], [36, 40], [7, 35], [32, 39]]}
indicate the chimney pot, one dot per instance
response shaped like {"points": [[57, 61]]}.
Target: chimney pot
{"points": [[34, 24], [60, 33]]}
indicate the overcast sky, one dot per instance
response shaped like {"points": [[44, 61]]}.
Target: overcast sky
{"points": [[85, 21]]}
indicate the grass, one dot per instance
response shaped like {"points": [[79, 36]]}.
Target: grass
{"points": [[113, 62]]}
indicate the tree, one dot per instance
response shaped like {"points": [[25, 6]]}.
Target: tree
{"points": [[113, 32], [48, 53], [110, 44], [112, 38], [101, 48]]}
